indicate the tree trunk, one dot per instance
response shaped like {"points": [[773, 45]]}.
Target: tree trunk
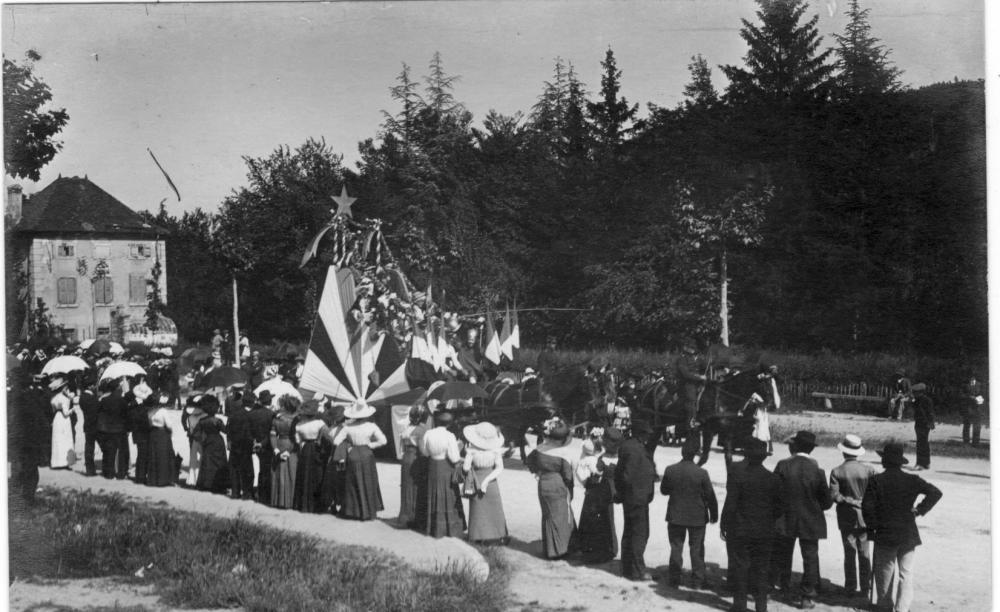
{"points": [[724, 298], [236, 325]]}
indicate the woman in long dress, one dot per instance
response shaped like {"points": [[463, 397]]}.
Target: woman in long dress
{"points": [[192, 414], [444, 512], [334, 467], [285, 461], [484, 460], [309, 471], [553, 463], [410, 439], [596, 535], [162, 471], [62, 455], [362, 496], [214, 473]]}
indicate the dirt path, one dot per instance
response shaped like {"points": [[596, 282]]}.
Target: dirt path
{"points": [[953, 570]]}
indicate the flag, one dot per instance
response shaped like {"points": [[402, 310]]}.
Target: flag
{"points": [[515, 331], [505, 346], [165, 175], [492, 350]]}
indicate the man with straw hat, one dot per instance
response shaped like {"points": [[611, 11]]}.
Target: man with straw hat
{"points": [[890, 513], [848, 482]]}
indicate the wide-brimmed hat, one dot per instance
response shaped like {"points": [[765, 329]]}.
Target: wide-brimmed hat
{"points": [[166, 351], [803, 438], [851, 445], [57, 383], [141, 392], [892, 454], [612, 440], [484, 436], [359, 410]]}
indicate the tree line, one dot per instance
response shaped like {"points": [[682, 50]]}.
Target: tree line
{"points": [[813, 202]]}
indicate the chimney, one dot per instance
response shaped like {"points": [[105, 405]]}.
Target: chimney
{"points": [[12, 208]]}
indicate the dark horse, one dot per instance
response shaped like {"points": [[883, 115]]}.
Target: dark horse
{"points": [[720, 410]]}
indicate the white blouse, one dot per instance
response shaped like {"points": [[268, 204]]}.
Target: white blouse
{"points": [[308, 431], [361, 434], [439, 443], [157, 416]]}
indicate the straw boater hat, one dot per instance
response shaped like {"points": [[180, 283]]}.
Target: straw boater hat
{"points": [[359, 410], [483, 436], [851, 446]]}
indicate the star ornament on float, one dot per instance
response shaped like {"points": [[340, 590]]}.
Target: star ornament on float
{"points": [[344, 202]]}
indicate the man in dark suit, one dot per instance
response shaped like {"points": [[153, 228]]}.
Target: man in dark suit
{"points": [[972, 411], [112, 428], [753, 504], [923, 423], [692, 504], [240, 441], [89, 407], [692, 381], [806, 496], [634, 478], [259, 420], [890, 514]]}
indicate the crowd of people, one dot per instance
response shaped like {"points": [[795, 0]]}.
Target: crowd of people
{"points": [[317, 456]]}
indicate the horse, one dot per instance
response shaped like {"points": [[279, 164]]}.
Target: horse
{"points": [[516, 408], [719, 409]]}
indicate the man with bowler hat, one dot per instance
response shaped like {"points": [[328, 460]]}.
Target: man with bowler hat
{"points": [[692, 504], [923, 423], [806, 496], [890, 513], [848, 482], [634, 478], [753, 505]]}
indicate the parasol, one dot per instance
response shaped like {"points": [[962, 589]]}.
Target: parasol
{"points": [[64, 364], [192, 356], [222, 377], [457, 390], [119, 369], [278, 388]]}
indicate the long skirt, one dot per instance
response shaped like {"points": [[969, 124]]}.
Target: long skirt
{"points": [[194, 463], [362, 496], [214, 473], [283, 481], [486, 518], [407, 486], [162, 469], [418, 474], [445, 515], [308, 479], [62, 455], [596, 535], [558, 524]]}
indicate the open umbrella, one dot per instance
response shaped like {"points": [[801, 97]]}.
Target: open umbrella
{"points": [[457, 390], [223, 377], [190, 357], [64, 364], [86, 343], [119, 369], [278, 388], [406, 398]]}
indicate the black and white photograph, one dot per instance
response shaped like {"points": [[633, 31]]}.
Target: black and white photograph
{"points": [[513, 306]]}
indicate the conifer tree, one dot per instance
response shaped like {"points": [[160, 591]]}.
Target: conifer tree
{"points": [[862, 63], [611, 115]]}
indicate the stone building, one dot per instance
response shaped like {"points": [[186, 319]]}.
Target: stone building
{"points": [[86, 257]]}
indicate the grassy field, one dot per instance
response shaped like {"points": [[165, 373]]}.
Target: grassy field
{"points": [[198, 561]]}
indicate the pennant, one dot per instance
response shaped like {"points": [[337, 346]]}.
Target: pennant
{"points": [[165, 175], [492, 350], [515, 331], [505, 347]]}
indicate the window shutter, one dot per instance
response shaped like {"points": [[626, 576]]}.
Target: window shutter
{"points": [[137, 288], [104, 290], [66, 291]]}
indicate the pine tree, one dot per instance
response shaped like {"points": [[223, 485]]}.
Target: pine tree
{"points": [[700, 91], [783, 65], [610, 117], [863, 64]]}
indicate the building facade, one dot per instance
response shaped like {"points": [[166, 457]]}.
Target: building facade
{"points": [[87, 258]]}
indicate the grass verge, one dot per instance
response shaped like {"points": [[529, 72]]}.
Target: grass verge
{"points": [[198, 561]]}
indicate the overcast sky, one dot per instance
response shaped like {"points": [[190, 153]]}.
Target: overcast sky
{"points": [[204, 84]]}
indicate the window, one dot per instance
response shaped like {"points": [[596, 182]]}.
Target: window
{"points": [[137, 293], [103, 332], [65, 249], [66, 291], [140, 251], [104, 290], [69, 335]]}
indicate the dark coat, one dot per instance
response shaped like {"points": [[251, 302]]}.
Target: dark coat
{"points": [[689, 377], [238, 431], [89, 407], [888, 506], [259, 421], [806, 495], [692, 498], [112, 411], [635, 474], [753, 502], [923, 412]]}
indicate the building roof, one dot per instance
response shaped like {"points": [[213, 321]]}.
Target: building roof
{"points": [[76, 205]]}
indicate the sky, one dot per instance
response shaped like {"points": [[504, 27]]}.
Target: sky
{"points": [[203, 85]]}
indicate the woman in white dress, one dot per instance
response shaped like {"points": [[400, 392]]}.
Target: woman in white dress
{"points": [[63, 456]]}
